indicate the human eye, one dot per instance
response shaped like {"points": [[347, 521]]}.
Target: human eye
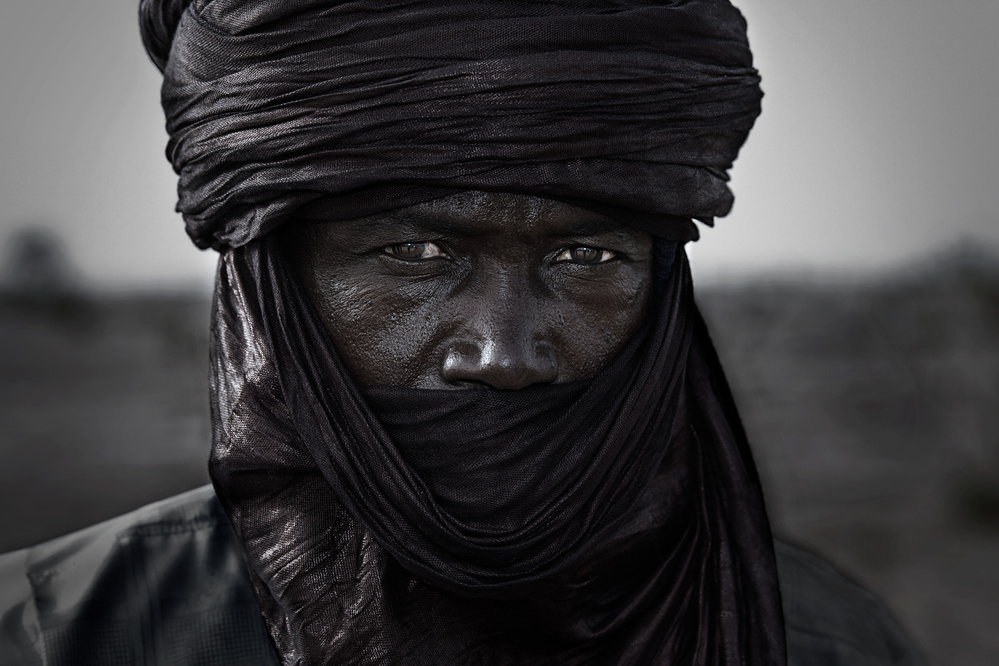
{"points": [[414, 251], [585, 255]]}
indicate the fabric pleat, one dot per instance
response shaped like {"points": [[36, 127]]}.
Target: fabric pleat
{"points": [[359, 107]]}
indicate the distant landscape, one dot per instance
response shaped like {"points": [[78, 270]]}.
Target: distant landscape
{"points": [[874, 413], [873, 409]]}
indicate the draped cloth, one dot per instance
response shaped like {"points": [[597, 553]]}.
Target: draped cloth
{"points": [[341, 110], [614, 520]]}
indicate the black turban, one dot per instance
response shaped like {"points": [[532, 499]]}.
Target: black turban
{"points": [[338, 110]]}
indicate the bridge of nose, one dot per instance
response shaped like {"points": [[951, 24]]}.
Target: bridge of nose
{"points": [[504, 340]]}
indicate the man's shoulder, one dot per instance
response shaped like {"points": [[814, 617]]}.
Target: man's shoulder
{"points": [[830, 620], [162, 584], [167, 584]]}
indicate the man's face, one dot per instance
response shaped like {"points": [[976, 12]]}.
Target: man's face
{"points": [[494, 289]]}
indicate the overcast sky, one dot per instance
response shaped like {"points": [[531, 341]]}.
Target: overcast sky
{"points": [[878, 144]]}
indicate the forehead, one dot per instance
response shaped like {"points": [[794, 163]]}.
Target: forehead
{"points": [[490, 213]]}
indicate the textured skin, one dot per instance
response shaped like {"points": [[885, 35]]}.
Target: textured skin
{"points": [[498, 307]]}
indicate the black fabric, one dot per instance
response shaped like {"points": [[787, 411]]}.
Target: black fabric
{"points": [[617, 520], [168, 580], [346, 109]]}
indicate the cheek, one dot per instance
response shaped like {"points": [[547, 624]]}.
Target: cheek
{"points": [[594, 324], [383, 334]]}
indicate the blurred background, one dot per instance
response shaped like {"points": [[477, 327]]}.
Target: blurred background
{"points": [[853, 293]]}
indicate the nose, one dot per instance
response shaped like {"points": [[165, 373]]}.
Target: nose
{"points": [[502, 362], [502, 341]]}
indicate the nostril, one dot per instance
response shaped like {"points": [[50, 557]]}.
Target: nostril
{"points": [[499, 366], [461, 357]]}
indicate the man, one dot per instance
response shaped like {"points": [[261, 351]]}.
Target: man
{"points": [[465, 410]]}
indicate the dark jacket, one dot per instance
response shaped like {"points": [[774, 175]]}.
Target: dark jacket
{"points": [[166, 585]]}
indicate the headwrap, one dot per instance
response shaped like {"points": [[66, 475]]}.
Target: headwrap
{"points": [[615, 520], [338, 110]]}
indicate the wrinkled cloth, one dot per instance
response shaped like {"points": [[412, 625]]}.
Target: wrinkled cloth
{"points": [[340, 110], [639, 538], [166, 584]]}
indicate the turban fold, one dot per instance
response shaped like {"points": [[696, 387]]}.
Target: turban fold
{"points": [[338, 110]]}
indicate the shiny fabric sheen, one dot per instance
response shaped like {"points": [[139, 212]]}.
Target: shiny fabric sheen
{"points": [[360, 107], [165, 585]]}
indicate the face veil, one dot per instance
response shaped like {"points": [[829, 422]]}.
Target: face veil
{"points": [[615, 520], [361, 512]]}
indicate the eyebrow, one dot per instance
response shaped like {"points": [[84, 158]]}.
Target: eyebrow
{"points": [[592, 227], [435, 222], [425, 222]]}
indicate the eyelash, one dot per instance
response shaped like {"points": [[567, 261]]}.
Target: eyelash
{"points": [[394, 250], [565, 255]]}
